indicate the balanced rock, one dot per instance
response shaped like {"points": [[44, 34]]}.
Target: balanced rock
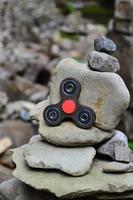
{"points": [[116, 147], [103, 62], [73, 161], [67, 133], [63, 185], [104, 44], [118, 167], [105, 93]]}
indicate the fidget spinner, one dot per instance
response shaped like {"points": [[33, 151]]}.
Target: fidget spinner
{"points": [[69, 107]]}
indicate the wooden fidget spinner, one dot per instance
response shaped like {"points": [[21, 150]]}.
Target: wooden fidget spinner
{"points": [[69, 107]]}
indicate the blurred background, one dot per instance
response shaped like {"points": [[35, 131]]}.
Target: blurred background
{"points": [[34, 36]]}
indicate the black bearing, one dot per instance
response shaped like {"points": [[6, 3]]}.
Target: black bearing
{"points": [[52, 115], [70, 87], [85, 117]]}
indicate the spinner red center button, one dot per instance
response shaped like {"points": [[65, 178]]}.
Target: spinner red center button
{"points": [[68, 106]]}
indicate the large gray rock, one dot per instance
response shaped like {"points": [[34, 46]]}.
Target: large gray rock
{"points": [[67, 133], [94, 183], [104, 44], [103, 62], [116, 147], [17, 190], [73, 161], [118, 167], [105, 93]]}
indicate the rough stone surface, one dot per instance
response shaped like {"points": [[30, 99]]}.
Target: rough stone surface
{"points": [[67, 134], [73, 161], [63, 185], [104, 44], [124, 26], [122, 153], [20, 88], [123, 9], [123, 18], [5, 173], [116, 147], [16, 190], [105, 93], [37, 110], [125, 50], [6, 160], [118, 167], [103, 62]]}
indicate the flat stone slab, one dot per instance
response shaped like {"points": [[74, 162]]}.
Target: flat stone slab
{"points": [[65, 186], [67, 133], [104, 92], [14, 189], [118, 167], [74, 161]]}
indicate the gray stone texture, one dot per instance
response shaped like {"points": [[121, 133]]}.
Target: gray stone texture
{"points": [[74, 161], [105, 93], [123, 9], [116, 147], [64, 186], [67, 134], [124, 54], [118, 167], [16, 190], [103, 62], [123, 17], [104, 44]]}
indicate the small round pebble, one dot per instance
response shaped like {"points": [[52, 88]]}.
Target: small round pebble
{"points": [[24, 115], [104, 44]]}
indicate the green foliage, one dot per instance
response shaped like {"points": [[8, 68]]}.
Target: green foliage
{"points": [[97, 13], [70, 7], [70, 36], [100, 11], [66, 6], [130, 143]]}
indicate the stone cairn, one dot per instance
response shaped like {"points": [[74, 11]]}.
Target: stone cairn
{"points": [[69, 161], [121, 31]]}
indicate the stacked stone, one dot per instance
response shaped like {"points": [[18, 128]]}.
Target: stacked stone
{"points": [[121, 31], [66, 155], [123, 17]]}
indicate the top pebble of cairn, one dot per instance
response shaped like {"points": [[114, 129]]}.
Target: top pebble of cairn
{"points": [[104, 44]]}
